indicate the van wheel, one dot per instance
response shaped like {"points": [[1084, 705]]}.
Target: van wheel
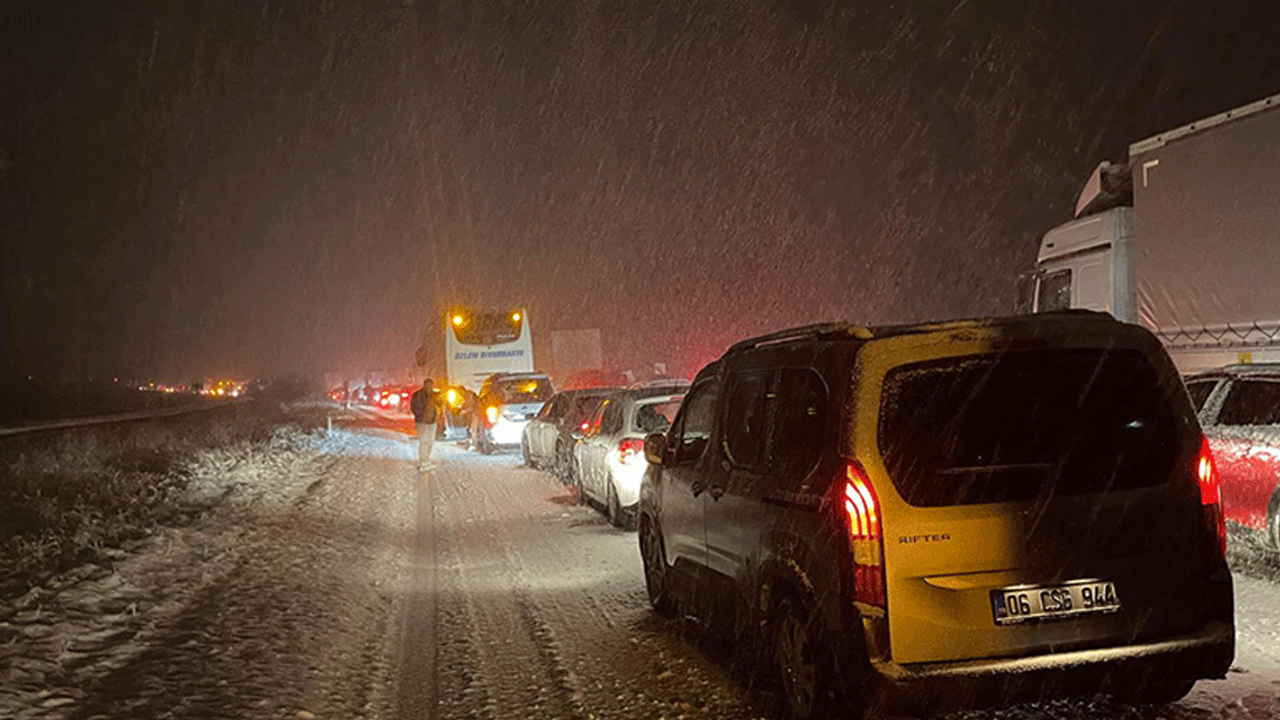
{"points": [[1157, 692], [656, 576], [797, 651]]}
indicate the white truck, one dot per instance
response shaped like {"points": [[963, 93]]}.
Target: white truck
{"points": [[1183, 238]]}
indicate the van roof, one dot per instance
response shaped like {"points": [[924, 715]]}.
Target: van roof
{"points": [[864, 333]]}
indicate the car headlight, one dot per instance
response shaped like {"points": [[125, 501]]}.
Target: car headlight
{"points": [[492, 413]]}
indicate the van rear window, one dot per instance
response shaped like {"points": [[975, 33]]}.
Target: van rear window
{"points": [[1023, 425]]}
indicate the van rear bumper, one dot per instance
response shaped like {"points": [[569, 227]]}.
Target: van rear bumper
{"points": [[1205, 654]]}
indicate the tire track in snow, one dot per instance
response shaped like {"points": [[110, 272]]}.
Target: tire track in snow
{"points": [[577, 584], [519, 666]]}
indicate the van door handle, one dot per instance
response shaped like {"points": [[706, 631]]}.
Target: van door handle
{"points": [[697, 488], [716, 492]]}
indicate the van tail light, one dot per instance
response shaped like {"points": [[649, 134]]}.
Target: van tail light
{"points": [[1211, 492], [866, 542], [631, 450]]}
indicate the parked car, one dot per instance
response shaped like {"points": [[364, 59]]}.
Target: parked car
{"points": [[548, 439], [1240, 412], [507, 402], [953, 513], [609, 461]]}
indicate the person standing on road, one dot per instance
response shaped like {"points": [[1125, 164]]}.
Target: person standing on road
{"points": [[423, 406]]}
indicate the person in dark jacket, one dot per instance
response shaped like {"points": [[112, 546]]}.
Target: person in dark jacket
{"points": [[423, 406]]}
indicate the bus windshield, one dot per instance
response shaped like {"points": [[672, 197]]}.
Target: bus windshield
{"points": [[487, 328]]}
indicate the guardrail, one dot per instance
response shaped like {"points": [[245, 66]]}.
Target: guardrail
{"points": [[1243, 335], [68, 424]]}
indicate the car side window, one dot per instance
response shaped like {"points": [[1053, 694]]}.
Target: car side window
{"points": [[1251, 402], [611, 421], [697, 420], [1200, 390], [750, 402], [800, 426]]}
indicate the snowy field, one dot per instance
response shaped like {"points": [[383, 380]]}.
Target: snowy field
{"points": [[332, 581]]}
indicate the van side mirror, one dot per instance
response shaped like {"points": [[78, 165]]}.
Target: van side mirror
{"points": [[655, 448]]}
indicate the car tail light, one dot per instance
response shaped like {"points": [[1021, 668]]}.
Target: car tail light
{"points": [[630, 448], [1211, 492], [865, 537]]}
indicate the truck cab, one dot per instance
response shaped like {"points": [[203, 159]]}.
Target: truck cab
{"points": [[1086, 263]]}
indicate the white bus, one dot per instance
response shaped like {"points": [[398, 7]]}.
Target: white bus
{"points": [[480, 343]]}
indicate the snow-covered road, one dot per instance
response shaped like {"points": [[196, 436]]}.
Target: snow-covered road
{"points": [[342, 584]]}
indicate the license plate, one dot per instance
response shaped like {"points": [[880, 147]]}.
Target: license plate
{"points": [[1024, 603]]}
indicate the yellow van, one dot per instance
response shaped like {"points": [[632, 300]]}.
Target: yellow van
{"points": [[955, 514]]}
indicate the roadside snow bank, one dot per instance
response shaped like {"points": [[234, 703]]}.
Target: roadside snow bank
{"points": [[63, 635]]}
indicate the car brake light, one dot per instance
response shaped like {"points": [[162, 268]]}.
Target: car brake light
{"points": [[1211, 492], [630, 449], [865, 537]]}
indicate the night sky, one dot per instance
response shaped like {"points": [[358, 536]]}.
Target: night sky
{"points": [[295, 187]]}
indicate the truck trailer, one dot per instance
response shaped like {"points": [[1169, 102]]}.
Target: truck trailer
{"points": [[1183, 237]]}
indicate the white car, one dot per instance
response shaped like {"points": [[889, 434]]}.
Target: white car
{"points": [[508, 401], [549, 438], [609, 459]]}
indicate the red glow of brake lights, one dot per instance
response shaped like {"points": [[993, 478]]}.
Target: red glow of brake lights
{"points": [[865, 540], [1211, 491], [1207, 473], [631, 450], [860, 502]]}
